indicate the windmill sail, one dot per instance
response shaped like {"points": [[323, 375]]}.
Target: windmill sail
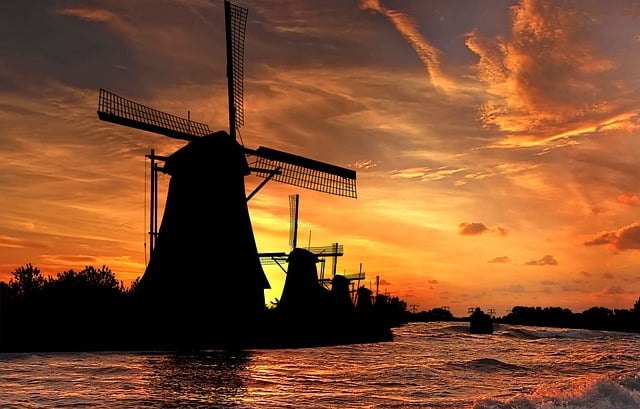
{"points": [[236, 23], [306, 173], [288, 168], [122, 111]]}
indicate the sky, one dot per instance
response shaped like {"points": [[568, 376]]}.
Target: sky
{"points": [[495, 143]]}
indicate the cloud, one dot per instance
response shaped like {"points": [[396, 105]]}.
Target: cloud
{"points": [[364, 164], [515, 288], [499, 230], [476, 228], [66, 259], [550, 78], [427, 52], [500, 259], [89, 14], [19, 243], [547, 260], [615, 290], [632, 200], [625, 238], [472, 229]]}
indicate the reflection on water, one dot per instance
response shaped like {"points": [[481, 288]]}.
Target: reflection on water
{"points": [[213, 377]]}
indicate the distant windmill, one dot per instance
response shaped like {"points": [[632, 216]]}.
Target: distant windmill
{"points": [[204, 267], [333, 251]]}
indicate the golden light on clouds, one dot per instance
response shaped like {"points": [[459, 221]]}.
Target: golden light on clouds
{"points": [[545, 81]]}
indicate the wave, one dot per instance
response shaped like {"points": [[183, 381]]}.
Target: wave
{"points": [[547, 332], [487, 364], [460, 329], [619, 393]]}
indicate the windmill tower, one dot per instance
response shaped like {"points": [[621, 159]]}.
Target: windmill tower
{"points": [[204, 274]]}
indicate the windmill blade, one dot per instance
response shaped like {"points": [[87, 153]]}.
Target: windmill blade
{"points": [[119, 110], [235, 26], [294, 201], [303, 172]]}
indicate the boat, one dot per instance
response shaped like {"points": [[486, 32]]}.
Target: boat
{"points": [[480, 322]]}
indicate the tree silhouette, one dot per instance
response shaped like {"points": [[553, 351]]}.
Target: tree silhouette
{"points": [[89, 280], [27, 281]]}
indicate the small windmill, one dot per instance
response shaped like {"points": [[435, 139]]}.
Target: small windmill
{"points": [[204, 267], [333, 251]]}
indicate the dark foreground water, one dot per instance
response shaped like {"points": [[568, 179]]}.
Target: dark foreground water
{"points": [[428, 365]]}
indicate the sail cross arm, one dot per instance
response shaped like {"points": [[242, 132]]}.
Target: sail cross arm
{"points": [[304, 172], [119, 110]]}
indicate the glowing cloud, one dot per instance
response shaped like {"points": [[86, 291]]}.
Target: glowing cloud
{"points": [[625, 238], [632, 200], [551, 79]]}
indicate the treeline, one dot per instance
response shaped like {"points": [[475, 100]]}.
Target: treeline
{"points": [[436, 314], [71, 310], [597, 318], [92, 310]]}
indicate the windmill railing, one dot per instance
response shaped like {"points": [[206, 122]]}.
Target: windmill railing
{"points": [[350, 277], [327, 251], [272, 258], [320, 251]]}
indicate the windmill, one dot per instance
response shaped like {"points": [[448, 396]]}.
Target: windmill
{"points": [[333, 251], [204, 269], [320, 253]]}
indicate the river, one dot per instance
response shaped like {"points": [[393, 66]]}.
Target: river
{"points": [[427, 365]]}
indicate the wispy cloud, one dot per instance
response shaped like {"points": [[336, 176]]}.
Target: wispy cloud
{"points": [[87, 13], [19, 243], [427, 52]]}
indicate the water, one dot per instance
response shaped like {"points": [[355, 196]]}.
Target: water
{"points": [[428, 365]]}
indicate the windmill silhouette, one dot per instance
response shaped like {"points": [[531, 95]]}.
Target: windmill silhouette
{"points": [[204, 274], [345, 287], [332, 251]]}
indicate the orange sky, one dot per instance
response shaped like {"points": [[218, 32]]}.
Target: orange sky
{"points": [[496, 143]]}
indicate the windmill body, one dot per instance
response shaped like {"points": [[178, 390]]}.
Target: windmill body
{"points": [[204, 269]]}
